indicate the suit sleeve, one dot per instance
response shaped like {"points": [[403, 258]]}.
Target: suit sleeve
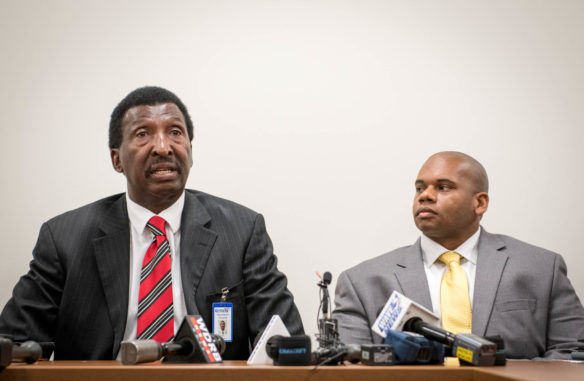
{"points": [[265, 286], [565, 331], [349, 311], [31, 313]]}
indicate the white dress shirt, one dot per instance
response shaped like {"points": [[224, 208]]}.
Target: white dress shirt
{"points": [[435, 269], [140, 240]]}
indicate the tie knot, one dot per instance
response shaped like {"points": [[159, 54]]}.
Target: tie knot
{"points": [[450, 257], [157, 225]]}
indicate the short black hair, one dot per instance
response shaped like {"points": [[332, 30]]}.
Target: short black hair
{"points": [[147, 95]]}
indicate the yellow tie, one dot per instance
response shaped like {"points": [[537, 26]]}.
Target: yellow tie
{"points": [[454, 296]]}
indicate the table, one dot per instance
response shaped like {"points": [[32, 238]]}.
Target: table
{"points": [[240, 371]]}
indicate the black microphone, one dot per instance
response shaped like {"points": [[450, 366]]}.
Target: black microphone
{"points": [[577, 355], [289, 350], [336, 354], [193, 344], [327, 278], [5, 352], [431, 332], [469, 348], [328, 336]]}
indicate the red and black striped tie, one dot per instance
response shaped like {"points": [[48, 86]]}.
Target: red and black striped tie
{"points": [[155, 311]]}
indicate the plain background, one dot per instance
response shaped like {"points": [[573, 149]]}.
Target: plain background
{"points": [[317, 114]]}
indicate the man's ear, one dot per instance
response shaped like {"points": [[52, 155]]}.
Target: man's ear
{"points": [[116, 162], [481, 203]]}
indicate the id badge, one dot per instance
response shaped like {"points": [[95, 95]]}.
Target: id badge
{"points": [[223, 320]]}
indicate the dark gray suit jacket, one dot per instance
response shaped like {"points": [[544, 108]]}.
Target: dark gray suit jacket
{"points": [[76, 291], [521, 292]]}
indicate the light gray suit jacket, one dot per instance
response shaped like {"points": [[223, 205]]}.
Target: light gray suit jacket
{"points": [[521, 292]]}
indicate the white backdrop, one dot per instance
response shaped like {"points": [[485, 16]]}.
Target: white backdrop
{"points": [[318, 114]]}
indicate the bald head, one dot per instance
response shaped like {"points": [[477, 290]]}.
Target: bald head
{"points": [[451, 198], [472, 168]]}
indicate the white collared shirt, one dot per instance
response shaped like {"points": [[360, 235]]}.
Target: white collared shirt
{"points": [[435, 269], [140, 240]]}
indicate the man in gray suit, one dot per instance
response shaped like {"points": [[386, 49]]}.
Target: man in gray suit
{"points": [[516, 290], [81, 291]]}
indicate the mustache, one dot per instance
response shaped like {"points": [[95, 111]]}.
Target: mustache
{"points": [[163, 161]]}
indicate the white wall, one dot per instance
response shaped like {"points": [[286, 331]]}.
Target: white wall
{"points": [[317, 114]]}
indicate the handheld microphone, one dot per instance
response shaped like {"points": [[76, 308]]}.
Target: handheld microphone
{"points": [[469, 348], [28, 352], [289, 350], [412, 348], [401, 313], [397, 311], [193, 344]]}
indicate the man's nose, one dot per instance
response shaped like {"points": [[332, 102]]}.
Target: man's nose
{"points": [[162, 144], [427, 195]]}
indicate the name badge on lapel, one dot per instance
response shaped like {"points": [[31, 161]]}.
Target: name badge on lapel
{"points": [[223, 317]]}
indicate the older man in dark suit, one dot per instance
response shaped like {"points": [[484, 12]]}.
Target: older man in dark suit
{"points": [[132, 265], [507, 287]]}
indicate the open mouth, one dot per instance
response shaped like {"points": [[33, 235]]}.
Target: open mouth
{"points": [[163, 171]]}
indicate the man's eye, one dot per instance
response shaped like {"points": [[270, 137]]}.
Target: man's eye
{"points": [[419, 189], [141, 134], [444, 187], [176, 132]]}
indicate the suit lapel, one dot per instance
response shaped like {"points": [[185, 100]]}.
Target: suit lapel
{"points": [[411, 275], [490, 265], [195, 247], [112, 256]]}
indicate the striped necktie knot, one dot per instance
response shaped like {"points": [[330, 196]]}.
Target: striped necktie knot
{"points": [[155, 300], [157, 226]]}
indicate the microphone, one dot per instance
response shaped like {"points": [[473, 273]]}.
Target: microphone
{"points": [[331, 351], [401, 313], [327, 327], [469, 348], [193, 344], [337, 354], [330, 348], [412, 348], [289, 350], [577, 355], [397, 310], [327, 278], [28, 351], [367, 354]]}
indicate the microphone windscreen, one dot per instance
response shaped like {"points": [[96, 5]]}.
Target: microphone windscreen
{"points": [[327, 278], [29, 352], [219, 342], [139, 351]]}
